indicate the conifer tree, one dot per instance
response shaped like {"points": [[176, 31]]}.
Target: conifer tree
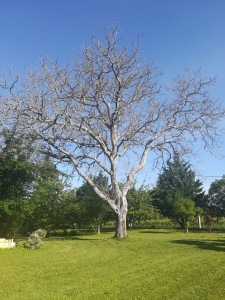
{"points": [[177, 181]]}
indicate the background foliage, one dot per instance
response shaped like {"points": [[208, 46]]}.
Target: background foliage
{"points": [[34, 193]]}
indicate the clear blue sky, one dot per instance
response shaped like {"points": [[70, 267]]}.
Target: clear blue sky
{"points": [[177, 33]]}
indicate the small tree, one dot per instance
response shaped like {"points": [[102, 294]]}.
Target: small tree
{"points": [[107, 111], [185, 211], [93, 211], [140, 206], [208, 220]]}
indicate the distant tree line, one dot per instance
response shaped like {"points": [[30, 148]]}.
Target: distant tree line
{"points": [[34, 193]]}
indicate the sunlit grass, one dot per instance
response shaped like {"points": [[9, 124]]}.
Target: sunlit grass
{"points": [[150, 264]]}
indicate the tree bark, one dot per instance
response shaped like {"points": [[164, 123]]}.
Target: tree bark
{"points": [[121, 226]]}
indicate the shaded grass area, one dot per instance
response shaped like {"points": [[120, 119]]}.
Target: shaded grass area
{"points": [[150, 264]]}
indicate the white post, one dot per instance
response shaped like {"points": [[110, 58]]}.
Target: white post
{"points": [[199, 221]]}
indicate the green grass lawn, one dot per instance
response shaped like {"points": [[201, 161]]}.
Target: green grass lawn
{"points": [[150, 264]]}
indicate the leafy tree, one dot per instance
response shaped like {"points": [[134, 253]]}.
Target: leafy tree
{"points": [[106, 106], [16, 179], [216, 198], [93, 211], [184, 212], [140, 206], [69, 211], [32, 194], [208, 220], [177, 182], [49, 200]]}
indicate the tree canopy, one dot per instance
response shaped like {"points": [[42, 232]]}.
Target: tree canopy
{"points": [[16, 179], [32, 190], [140, 205], [216, 197], [106, 111], [48, 201], [92, 210], [184, 212]]}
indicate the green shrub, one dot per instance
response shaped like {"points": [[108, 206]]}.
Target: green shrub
{"points": [[219, 223], [166, 223], [35, 239]]}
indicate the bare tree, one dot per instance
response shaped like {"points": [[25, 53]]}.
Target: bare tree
{"points": [[106, 110]]}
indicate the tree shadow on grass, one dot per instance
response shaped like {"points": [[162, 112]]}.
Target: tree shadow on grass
{"points": [[152, 231], [79, 237], [73, 238], [192, 230], [215, 245]]}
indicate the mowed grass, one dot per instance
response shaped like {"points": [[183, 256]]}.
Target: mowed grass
{"points": [[150, 264]]}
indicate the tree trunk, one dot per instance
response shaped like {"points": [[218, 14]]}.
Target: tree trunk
{"points": [[121, 227]]}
